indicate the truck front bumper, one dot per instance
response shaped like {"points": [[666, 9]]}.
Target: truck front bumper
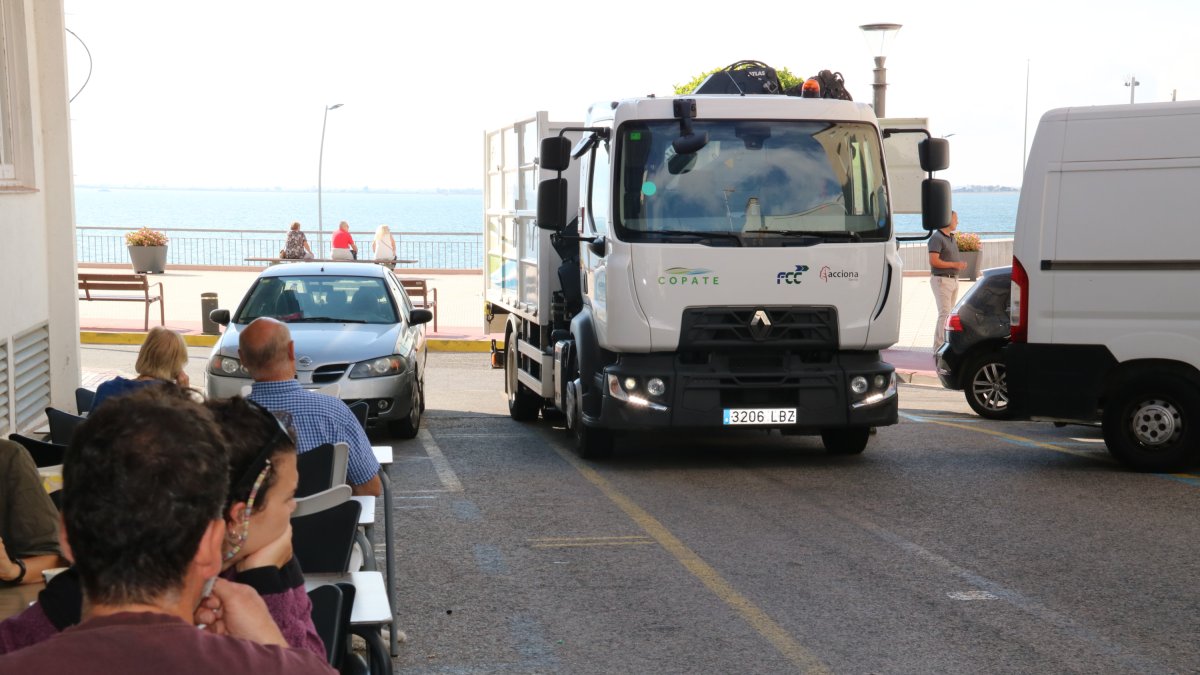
{"points": [[697, 394]]}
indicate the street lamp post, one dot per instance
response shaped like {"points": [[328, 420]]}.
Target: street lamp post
{"points": [[883, 31], [1132, 83], [320, 164]]}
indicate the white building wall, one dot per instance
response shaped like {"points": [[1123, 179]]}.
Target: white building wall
{"points": [[39, 324]]}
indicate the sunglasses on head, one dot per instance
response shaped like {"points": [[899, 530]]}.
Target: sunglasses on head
{"points": [[279, 422]]}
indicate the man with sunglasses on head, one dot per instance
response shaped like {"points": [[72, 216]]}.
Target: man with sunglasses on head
{"points": [[144, 485], [266, 349]]}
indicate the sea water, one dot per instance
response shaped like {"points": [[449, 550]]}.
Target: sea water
{"points": [[274, 211]]}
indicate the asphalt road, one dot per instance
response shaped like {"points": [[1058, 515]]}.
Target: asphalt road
{"points": [[952, 545]]}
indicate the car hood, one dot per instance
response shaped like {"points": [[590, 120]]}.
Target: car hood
{"points": [[319, 344]]}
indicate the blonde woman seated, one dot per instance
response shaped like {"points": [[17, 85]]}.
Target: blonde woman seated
{"points": [[384, 246], [161, 359]]}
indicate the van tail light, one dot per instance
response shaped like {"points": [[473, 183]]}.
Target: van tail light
{"points": [[954, 324], [1018, 312]]}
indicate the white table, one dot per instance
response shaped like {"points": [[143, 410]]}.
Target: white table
{"points": [[372, 610], [383, 455]]}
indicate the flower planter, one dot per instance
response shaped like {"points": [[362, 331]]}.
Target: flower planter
{"points": [[972, 260], [148, 259]]}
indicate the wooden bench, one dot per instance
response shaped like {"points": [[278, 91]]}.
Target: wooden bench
{"points": [[133, 288], [422, 296]]}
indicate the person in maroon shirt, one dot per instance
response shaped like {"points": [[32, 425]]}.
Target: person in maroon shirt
{"points": [[144, 485], [343, 243]]}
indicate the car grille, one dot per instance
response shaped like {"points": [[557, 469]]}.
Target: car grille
{"points": [[807, 328], [329, 373]]}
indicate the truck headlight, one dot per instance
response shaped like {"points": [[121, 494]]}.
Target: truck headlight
{"points": [[655, 387], [380, 367], [631, 384], [227, 366], [858, 385]]}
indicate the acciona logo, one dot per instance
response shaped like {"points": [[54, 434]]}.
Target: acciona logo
{"points": [[827, 274]]}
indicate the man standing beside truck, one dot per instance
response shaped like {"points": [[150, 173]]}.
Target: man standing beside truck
{"points": [[943, 275]]}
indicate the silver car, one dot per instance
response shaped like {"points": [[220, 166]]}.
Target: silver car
{"points": [[356, 333]]}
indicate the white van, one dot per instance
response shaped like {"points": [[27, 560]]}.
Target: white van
{"points": [[1106, 279]]}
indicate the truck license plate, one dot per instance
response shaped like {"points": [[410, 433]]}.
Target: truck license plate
{"points": [[760, 416]]}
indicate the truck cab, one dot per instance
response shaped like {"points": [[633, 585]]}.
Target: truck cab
{"points": [[726, 261]]}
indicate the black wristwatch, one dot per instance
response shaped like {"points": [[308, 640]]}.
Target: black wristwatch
{"points": [[20, 577]]}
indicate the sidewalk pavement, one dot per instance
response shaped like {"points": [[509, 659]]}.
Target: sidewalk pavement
{"points": [[460, 314]]}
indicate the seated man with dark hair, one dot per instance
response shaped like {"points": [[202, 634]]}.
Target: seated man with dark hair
{"points": [[144, 486]]}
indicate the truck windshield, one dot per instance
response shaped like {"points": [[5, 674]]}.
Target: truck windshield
{"points": [[753, 179]]}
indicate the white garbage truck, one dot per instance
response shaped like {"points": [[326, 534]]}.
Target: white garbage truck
{"points": [[703, 262]]}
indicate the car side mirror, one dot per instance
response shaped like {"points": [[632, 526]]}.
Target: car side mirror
{"points": [[419, 316], [219, 316]]}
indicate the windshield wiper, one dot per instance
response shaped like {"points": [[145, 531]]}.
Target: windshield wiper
{"points": [[698, 235], [851, 236], [324, 319]]}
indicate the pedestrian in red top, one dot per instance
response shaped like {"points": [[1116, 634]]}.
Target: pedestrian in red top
{"points": [[344, 247]]}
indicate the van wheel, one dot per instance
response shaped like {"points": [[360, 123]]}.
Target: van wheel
{"points": [[523, 405], [850, 441], [986, 386], [1151, 424]]}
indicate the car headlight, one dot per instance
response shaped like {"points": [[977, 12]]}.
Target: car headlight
{"points": [[380, 367], [227, 366]]}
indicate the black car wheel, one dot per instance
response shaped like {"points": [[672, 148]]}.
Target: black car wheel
{"points": [[410, 425], [1151, 424], [986, 386]]}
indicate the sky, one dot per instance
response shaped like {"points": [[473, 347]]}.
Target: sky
{"points": [[228, 94]]}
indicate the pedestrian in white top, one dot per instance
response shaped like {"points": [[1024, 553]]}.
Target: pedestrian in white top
{"points": [[384, 246]]}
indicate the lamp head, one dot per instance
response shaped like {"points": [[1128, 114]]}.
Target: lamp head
{"points": [[878, 35], [335, 106]]}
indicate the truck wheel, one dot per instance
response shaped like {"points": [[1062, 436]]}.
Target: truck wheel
{"points": [[1151, 424], [590, 443], [850, 441], [409, 426], [986, 386], [523, 405]]}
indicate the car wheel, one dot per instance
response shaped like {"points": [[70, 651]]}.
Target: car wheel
{"points": [[986, 386], [523, 405], [850, 441], [1151, 424], [410, 425]]}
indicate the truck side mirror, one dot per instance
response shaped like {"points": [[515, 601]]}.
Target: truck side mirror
{"points": [[552, 203], [555, 153], [935, 203], [934, 154]]}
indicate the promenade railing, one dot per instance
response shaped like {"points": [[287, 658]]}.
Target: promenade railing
{"points": [[230, 248], [431, 250]]}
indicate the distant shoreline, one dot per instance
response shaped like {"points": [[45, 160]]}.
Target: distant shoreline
{"points": [[361, 191]]}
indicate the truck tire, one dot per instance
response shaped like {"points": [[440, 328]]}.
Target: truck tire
{"points": [[1153, 423], [523, 405], [591, 443], [985, 386], [850, 441]]}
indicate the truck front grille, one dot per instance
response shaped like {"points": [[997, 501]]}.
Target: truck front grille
{"points": [[800, 328]]}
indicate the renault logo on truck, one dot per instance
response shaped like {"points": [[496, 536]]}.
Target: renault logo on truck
{"points": [[760, 325]]}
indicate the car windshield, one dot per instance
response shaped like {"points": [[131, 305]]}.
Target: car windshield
{"points": [[753, 178], [319, 299]]}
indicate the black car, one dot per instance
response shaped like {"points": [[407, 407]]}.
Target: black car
{"points": [[977, 330]]}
